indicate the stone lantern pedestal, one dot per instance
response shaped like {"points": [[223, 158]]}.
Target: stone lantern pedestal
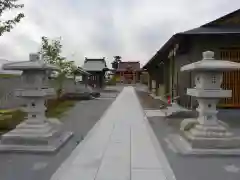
{"points": [[37, 133], [206, 134]]}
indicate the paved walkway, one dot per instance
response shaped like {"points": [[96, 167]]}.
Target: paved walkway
{"points": [[30, 166], [121, 146]]}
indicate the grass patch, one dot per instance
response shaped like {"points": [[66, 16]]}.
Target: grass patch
{"points": [[9, 119], [56, 108], [9, 75]]}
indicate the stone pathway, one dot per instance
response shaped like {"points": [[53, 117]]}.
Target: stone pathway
{"points": [[121, 146], [24, 166]]}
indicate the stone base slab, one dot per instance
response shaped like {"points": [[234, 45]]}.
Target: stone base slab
{"points": [[183, 147], [52, 146], [35, 136], [225, 142]]}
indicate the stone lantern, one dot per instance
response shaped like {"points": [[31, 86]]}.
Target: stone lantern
{"points": [[36, 133], [206, 131]]}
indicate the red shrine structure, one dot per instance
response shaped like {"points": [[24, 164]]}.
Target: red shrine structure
{"points": [[128, 72]]}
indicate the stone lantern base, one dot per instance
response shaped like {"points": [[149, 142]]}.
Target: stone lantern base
{"points": [[33, 136], [201, 139]]}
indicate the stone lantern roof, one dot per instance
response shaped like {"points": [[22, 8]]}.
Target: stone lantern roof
{"points": [[35, 63], [210, 64]]}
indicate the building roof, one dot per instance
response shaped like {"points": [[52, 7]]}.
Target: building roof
{"points": [[94, 64], [223, 18], [211, 28], [135, 65], [82, 71], [163, 50]]}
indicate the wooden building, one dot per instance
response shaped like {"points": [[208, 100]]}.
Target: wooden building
{"points": [[81, 75], [221, 36], [128, 72], [97, 68]]}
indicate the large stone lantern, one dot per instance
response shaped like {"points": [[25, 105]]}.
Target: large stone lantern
{"points": [[206, 131], [36, 133]]}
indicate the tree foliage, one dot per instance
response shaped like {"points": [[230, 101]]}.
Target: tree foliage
{"points": [[116, 61], [51, 51], [6, 26]]}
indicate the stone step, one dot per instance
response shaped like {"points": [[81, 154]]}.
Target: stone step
{"points": [[176, 111], [154, 113]]}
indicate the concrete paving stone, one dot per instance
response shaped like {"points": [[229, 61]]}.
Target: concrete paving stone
{"points": [[39, 165], [116, 160], [79, 119], [232, 168], [76, 173], [119, 146], [143, 152], [148, 174]]}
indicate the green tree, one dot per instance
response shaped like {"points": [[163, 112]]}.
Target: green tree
{"points": [[116, 61], [69, 68], [7, 25], [51, 51], [73, 70]]}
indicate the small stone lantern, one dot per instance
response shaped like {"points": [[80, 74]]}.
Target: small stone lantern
{"points": [[37, 133], [207, 131]]}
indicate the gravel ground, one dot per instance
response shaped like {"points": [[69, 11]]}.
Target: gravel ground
{"points": [[80, 120], [194, 167], [147, 101]]}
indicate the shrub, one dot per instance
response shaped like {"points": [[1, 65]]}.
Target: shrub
{"points": [[112, 81], [9, 120], [56, 107]]}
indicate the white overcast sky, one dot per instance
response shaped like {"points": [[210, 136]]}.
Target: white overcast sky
{"points": [[133, 29]]}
